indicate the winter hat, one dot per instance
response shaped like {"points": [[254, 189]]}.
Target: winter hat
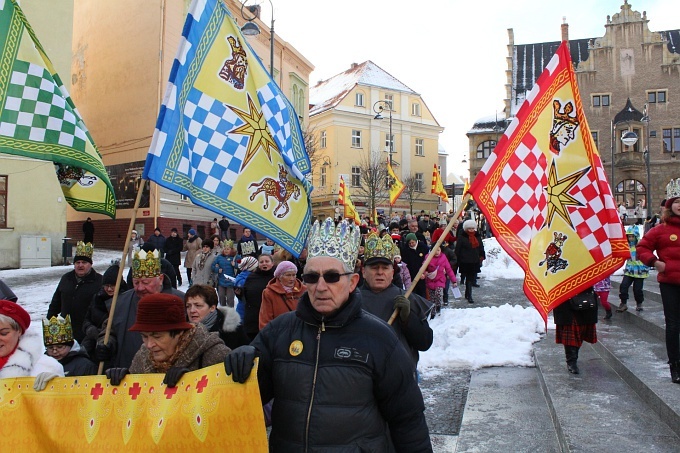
{"points": [[159, 313], [111, 274], [442, 222], [470, 224], [411, 237], [248, 263], [208, 244], [84, 252], [14, 311], [283, 267], [192, 232]]}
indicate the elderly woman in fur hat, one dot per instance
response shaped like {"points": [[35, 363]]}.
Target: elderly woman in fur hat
{"points": [[21, 350], [170, 345]]}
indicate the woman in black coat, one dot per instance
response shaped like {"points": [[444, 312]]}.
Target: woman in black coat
{"points": [[251, 294], [573, 327], [470, 253]]}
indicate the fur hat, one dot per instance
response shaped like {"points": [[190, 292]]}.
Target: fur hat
{"points": [[16, 312], [283, 267], [159, 313], [470, 224]]}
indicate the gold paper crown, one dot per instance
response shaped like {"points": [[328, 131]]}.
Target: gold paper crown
{"points": [[673, 189], [84, 249], [341, 242], [377, 247], [57, 330], [145, 264], [228, 244]]}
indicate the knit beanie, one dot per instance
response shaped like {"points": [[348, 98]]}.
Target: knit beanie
{"points": [[411, 237], [283, 267], [470, 224]]}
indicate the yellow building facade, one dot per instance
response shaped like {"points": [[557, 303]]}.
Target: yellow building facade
{"points": [[347, 137]]}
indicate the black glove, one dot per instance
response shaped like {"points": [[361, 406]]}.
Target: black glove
{"points": [[173, 375], [105, 352], [404, 306], [239, 363], [115, 375]]}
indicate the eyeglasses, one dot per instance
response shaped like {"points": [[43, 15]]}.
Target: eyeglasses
{"points": [[328, 277]]}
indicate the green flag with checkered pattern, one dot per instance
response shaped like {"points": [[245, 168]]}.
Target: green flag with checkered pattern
{"points": [[39, 120]]}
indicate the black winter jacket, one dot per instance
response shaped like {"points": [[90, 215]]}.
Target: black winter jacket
{"points": [[173, 250], [73, 298], [468, 257], [228, 326], [251, 293], [78, 363], [342, 383]]}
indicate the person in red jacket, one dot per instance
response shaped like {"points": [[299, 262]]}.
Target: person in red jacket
{"points": [[664, 239]]}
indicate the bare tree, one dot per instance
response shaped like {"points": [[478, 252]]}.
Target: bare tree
{"points": [[374, 178], [311, 141], [413, 190]]}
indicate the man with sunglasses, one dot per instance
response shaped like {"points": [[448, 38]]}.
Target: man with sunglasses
{"points": [[338, 375], [380, 297]]}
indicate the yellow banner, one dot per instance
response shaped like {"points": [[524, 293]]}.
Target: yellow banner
{"points": [[207, 411], [397, 187]]}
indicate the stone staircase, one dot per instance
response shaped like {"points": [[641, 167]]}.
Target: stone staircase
{"points": [[623, 399]]}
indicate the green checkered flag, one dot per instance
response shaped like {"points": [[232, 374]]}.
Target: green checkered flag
{"points": [[39, 120]]}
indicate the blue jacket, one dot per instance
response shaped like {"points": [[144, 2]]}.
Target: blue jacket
{"points": [[228, 266]]}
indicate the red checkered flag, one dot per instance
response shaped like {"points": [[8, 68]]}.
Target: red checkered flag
{"points": [[546, 195]]}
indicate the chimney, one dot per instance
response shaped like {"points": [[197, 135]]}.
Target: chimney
{"points": [[565, 29], [354, 65]]}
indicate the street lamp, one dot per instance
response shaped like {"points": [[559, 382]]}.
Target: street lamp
{"points": [[378, 108], [648, 195], [250, 28]]}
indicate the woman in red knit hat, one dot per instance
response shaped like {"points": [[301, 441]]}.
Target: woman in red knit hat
{"points": [[171, 345]]}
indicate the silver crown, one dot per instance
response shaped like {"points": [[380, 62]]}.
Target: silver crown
{"points": [[341, 242], [673, 189]]}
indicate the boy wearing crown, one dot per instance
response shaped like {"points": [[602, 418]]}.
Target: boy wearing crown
{"points": [[147, 278], [338, 375], [60, 345], [380, 297], [76, 289]]}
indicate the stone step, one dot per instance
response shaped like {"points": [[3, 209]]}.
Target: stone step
{"points": [[506, 411], [650, 320], [598, 409]]}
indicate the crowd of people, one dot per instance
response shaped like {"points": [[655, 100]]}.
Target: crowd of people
{"points": [[353, 307]]}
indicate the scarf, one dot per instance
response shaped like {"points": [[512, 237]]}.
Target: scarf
{"points": [[209, 320], [201, 261], [474, 243], [184, 338]]}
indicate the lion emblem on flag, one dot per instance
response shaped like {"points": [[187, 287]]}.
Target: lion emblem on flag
{"points": [[281, 190]]}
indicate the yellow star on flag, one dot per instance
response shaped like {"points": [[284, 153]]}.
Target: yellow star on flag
{"points": [[558, 198], [256, 127]]}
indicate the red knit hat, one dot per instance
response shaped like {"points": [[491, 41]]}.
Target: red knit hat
{"points": [[14, 311], [160, 313]]}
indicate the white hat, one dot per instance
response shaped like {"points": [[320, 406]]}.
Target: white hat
{"points": [[470, 224]]}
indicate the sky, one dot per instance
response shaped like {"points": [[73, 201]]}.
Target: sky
{"points": [[451, 52]]}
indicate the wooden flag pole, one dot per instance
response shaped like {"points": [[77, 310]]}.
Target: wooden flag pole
{"points": [[133, 218], [420, 273]]}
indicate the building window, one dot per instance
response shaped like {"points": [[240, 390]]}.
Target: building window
{"points": [[356, 176], [600, 100], [671, 140], [631, 193], [359, 99], [3, 201], [415, 109], [322, 182], [656, 97], [322, 139], [356, 138], [485, 149], [420, 184], [389, 142], [389, 101], [420, 147], [594, 134]]}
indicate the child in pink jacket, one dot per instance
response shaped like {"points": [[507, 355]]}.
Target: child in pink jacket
{"points": [[435, 280]]}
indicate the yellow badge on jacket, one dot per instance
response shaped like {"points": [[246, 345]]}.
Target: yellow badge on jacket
{"points": [[295, 348], [673, 237]]}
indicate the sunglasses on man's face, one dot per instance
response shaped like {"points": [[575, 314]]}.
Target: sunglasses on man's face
{"points": [[329, 277]]}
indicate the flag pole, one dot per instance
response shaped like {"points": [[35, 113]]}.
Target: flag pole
{"points": [[420, 273], [133, 218]]}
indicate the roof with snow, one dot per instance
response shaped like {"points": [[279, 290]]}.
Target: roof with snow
{"points": [[327, 94], [490, 124]]}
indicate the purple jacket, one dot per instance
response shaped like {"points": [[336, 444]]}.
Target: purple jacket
{"points": [[441, 264]]}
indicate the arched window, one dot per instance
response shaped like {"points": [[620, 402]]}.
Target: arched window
{"points": [[485, 149], [631, 193]]}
